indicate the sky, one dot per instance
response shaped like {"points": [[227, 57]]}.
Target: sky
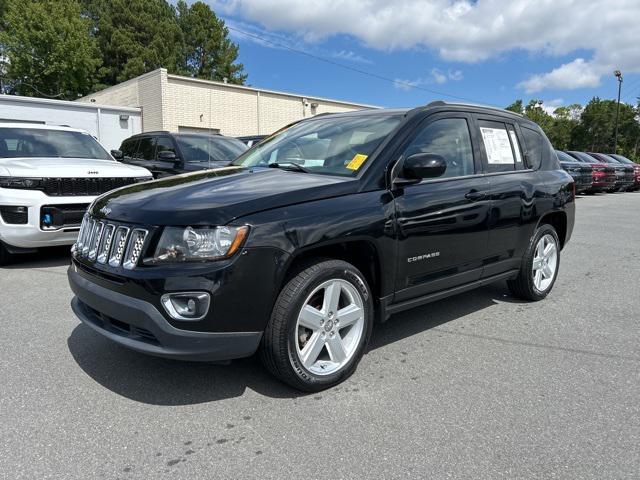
{"points": [[404, 53]]}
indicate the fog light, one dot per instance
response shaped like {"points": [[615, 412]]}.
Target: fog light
{"points": [[186, 305]]}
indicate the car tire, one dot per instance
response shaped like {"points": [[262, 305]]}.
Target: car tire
{"points": [[315, 349], [533, 281], [6, 257]]}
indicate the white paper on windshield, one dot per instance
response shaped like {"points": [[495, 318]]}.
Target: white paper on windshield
{"points": [[496, 143]]}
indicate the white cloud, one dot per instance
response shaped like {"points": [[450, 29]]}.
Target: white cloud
{"points": [[350, 56], [576, 74], [436, 76], [470, 30], [455, 75]]}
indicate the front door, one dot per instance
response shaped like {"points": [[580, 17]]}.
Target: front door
{"points": [[442, 223], [165, 167]]}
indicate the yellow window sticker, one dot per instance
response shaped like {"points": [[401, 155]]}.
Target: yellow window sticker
{"points": [[357, 161]]}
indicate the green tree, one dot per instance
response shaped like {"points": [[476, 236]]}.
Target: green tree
{"points": [[208, 51], [135, 37], [516, 107], [47, 49]]}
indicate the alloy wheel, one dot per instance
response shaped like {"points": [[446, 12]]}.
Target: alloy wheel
{"points": [[545, 262], [329, 327]]}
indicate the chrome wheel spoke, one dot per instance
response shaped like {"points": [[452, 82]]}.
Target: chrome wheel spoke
{"points": [[537, 263], [311, 318], [336, 349], [331, 298], [311, 351], [549, 250], [547, 272], [349, 315]]}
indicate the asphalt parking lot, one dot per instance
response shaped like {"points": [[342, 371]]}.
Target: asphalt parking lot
{"points": [[476, 386]]}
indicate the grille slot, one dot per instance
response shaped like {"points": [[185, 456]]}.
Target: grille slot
{"points": [[108, 243], [69, 187], [14, 215]]}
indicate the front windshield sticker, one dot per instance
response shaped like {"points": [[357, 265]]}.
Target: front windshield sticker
{"points": [[497, 145], [357, 161]]}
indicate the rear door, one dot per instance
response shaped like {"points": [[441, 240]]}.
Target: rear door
{"points": [[443, 222], [511, 172]]}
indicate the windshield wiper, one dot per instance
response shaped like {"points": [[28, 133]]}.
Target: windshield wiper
{"points": [[289, 166]]}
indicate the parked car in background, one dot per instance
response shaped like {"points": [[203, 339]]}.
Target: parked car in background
{"points": [[251, 140], [604, 175], [625, 174], [166, 153], [48, 177], [636, 168], [295, 251], [581, 172]]}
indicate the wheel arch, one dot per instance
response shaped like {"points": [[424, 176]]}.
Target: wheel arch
{"points": [[558, 220], [360, 253]]}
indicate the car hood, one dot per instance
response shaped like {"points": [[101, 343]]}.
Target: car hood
{"points": [[576, 166], [217, 196], [43, 167]]}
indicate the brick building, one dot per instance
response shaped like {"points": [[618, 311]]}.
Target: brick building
{"points": [[184, 104]]}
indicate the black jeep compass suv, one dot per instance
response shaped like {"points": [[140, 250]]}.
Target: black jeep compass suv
{"points": [[337, 220]]}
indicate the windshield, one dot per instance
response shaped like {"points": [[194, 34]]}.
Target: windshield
{"points": [[327, 145], [39, 142], [203, 148], [583, 157], [565, 157], [621, 159]]}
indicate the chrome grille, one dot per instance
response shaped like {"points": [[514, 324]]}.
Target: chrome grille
{"points": [[119, 242], [135, 248], [103, 242], [107, 235]]}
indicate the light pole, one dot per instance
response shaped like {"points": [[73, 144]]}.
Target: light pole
{"points": [[618, 75]]}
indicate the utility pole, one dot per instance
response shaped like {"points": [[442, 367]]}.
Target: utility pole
{"points": [[618, 75]]}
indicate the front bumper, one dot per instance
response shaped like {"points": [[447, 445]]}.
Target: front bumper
{"points": [[31, 234], [138, 325]]}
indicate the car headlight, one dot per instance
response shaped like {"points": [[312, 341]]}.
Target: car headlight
{"points": [[178, 244], [22, 183]]}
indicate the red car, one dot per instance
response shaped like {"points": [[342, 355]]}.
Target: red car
{"points": [[604, 175]]}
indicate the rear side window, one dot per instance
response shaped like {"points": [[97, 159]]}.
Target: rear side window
{"points": [[533, 142], [501, 146], [146, 149]]}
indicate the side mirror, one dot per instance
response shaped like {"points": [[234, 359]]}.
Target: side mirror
{"points": [[423, 165], [167, 155], [117, 154]]}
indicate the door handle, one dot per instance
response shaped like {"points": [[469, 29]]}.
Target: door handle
{"points": [[475, 195]]}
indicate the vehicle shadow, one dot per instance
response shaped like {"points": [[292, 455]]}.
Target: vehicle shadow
{"points": [[43, 258], [160, 381]]}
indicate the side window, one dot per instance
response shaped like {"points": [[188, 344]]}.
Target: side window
{"points": [[129, 148], [501, 156], [449, 138], [533, 142], [146, 149], [515, 146], [165, 144]]}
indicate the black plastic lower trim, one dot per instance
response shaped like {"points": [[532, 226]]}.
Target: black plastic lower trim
{"points": [[138, 325]]}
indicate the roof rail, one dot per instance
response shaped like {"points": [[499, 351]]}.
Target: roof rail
{"points": [[441, 103]]}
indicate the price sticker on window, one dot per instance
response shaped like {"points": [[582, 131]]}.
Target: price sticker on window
{"points": [[357, 161]]}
